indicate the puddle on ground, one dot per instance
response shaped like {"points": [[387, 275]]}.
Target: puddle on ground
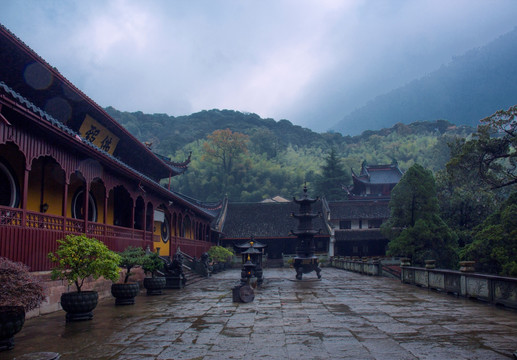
{"points": [[339, 308]]}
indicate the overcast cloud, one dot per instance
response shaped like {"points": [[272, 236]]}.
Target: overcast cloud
{"points": [[311, 62]]}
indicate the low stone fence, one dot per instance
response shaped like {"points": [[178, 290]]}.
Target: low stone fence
{"points": [[493, 289], [362, 266], [368, 266], [288, 259]]}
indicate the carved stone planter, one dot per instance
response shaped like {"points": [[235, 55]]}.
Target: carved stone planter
{"points": [[155, 285], [12, 319], [430, 264], [125, 293], [467, 266], [79, 305], [405, 262]]}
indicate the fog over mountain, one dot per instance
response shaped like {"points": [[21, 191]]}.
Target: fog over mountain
{"points": [[308, 61], [469, 88]]}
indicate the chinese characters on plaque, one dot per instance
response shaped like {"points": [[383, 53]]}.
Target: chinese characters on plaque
{"points": [[98, 135]]}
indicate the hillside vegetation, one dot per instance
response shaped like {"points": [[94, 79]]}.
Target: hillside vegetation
{"points": [[278, 157]]}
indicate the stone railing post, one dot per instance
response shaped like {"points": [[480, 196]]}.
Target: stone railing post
{"points": [[405, 262], [430, 264], [467, 266]]}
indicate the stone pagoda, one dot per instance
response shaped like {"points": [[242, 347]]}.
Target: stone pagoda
{"points": [[305, 260]]}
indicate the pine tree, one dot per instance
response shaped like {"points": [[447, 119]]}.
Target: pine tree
{"points": [[333, 177], [415, 228]]}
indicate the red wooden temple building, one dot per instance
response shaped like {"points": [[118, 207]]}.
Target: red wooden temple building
{"points": [[66, 167]]}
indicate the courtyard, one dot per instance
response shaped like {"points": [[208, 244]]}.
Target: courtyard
{"points": [[343, 316]]}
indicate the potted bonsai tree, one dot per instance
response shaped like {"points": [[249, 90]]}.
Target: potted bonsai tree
{"points": [[19, 292], [151, 265], [125, 292], [220, 257], [79, 257]]}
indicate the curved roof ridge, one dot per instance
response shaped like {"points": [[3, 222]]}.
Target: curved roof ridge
{"points": [[22, 101]]}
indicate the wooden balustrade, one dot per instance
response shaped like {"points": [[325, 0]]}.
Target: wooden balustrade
{"points": [[31, 243]]}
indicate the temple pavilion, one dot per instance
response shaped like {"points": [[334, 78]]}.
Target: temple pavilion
{"points": [[67, 167]]}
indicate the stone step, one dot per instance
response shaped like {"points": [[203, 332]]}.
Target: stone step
{"points": [[192, 277]]}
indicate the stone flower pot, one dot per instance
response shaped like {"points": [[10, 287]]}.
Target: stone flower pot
{"points": [[11, 322], [467, 266], [124, 294], [79, 305], [155, 285], [405, 262], [430, 264]]}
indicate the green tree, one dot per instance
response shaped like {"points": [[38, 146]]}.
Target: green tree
{"points": [[494, 247], [465, 200], [333, 177], [415, 229], [413, 198], [492, 151], [225, 148], [79, 257], [264, 141], [130, 258]]}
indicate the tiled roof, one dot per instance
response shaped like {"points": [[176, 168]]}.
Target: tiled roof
{"points": [[353, 235], [210, 210], [359, 209], [379, 174], [36, 110], [272, 220], [176, 167], [79, 103]]}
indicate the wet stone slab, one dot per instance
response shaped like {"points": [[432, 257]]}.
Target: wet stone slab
{"points": [[343, 316]]}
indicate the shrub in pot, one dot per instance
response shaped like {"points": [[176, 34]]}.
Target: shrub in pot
{"points": [[125, 292], [79, 257], [151, 265], [19, 292], [220, 256]]}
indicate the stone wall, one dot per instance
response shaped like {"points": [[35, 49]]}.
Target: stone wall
{"points": [[366, 266]]}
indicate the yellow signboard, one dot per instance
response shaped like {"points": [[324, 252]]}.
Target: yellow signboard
{"points": [[97, 134]]}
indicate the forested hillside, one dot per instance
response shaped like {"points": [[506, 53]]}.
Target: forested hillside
{"points": [[471, 87], [266, 158]]}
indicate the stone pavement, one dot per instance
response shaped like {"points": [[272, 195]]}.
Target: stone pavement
{"points": [[343, 316]]}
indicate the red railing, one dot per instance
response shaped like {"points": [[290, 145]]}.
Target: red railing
{"points": [[31, 243], [194, 248]]}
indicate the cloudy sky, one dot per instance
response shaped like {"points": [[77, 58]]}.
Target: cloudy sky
{"points": [[309, 61]]}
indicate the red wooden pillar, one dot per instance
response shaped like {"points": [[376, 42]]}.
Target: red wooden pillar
{"points": [[105, 212], [25, 195], [65, 203], [145, 220], [86, 205], [152, 229]]}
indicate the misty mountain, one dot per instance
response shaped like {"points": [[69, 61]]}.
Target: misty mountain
{"points": [[471, 87]]}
